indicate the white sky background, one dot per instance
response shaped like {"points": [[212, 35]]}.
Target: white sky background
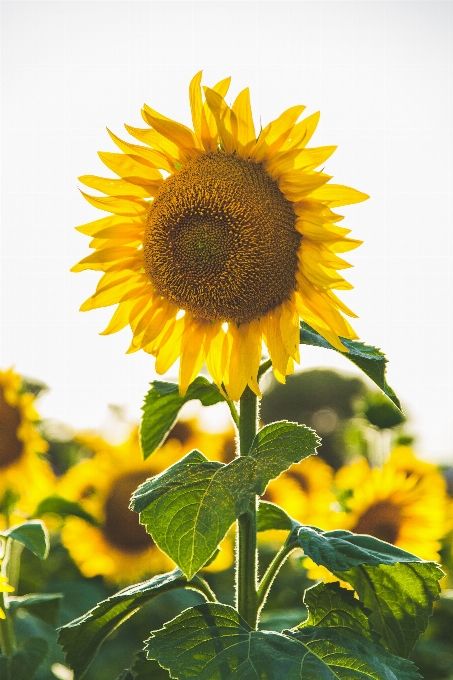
{"points": [[380, 72]]}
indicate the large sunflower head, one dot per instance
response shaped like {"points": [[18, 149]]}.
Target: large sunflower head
{"points": [[24, 475], [220, 238], [407, 510]]}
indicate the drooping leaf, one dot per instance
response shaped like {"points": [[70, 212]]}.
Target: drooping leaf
{"points": [[213, 642], [341, 550], [33, 535], [189, 508], [331, 606], [369, 359], [81, 638], [162, 405], [271, 516], [400, 598], [44, 606], [64, 508], [25, 663]]}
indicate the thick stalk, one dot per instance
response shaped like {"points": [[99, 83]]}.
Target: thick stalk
{"points": [[246, 553]]}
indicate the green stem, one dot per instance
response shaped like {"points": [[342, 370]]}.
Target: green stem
{"points": [[246, 553], [10, 569], [233, 411], [265, 366], [272, 571], [200, 585]]}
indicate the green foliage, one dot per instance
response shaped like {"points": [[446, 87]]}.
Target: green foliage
{"points": [[213, 642], [44, 606], [81, 638], [330, 605], [162, 405], [400, 598], [340, 550], [369, 359], [189, 508], [25, 663], [143, 669], [271, 516], [33, 535], [380, 412], [64, 508]]}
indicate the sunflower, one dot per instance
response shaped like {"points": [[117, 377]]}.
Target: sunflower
{"points": [[219, 239], [119, 547], [24, 475], [404, 509]]}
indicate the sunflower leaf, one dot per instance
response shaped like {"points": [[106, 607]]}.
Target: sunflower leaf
{"points": [[81, 638], [213, 642], [271, 516], [162, 405], [329, 605], [24, 664], [400, 598], [369, 359], [189, 508], [144, 669], [33, 535], [44, 606], [340, 550]]}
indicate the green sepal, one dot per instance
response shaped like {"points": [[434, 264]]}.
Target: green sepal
{"points": [[340, 550], [369, 359], [25, 663], [271, 516], [44, 606], [400, 598], [189, 508], [213, 642], [162, 405], [33, 535], [64, 508], [81, 638]]}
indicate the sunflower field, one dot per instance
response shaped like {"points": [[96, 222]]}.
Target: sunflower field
{"points": [[307, 539]]}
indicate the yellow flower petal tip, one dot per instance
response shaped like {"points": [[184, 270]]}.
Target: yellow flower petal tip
{"points": [[225, 227]]}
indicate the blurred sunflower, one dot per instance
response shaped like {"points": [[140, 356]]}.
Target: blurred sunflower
{"points": [[407, 510], [24, 476], [305, 492], [219, 239], [4, 588], [119, 547]]}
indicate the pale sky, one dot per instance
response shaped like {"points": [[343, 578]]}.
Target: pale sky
{"points": [[379, 71]]}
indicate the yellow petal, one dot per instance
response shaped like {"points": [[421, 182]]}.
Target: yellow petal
{"points": [[131, 167], [296, 184], [101, 257], [236, 374], [92, 228], [306, 159], [133, 232], [157, 142], [120, 319], [179, 134], [193, 354], [274, 341], [128, 207], [246, 135], [196, 102], [170, 350], [226, 121], [154, 158], [215, 359], [289, 328], [275, 134], [334, 195], [209, 132], [302, 132], [117, 187]]}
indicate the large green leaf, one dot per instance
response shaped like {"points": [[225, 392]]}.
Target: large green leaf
{"points": [[189, 508], [33, 535], [369, 359], [213, 642], [82, 637], [341, 550], [330, 605], [400, 598], [64, 508], [44, 606], [144, 669], [162, 405], [25, 663]]}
